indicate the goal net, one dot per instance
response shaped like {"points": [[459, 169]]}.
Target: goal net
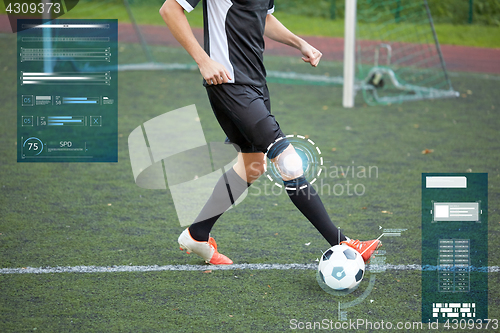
{"points": [[397, 55]]}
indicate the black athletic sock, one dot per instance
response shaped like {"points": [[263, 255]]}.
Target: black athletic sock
{"points": [[309, 203], [227, 190]]}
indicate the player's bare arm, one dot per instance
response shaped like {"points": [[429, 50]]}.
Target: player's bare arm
{"points": [[278, 32], [175, 18]]}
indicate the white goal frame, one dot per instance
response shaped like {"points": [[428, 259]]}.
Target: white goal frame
{"points": [[349, 54]]}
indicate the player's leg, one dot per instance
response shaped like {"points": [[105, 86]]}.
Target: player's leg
{"points": [[307, 200], [228, 189], [244, 114], [197, 238], [248, 168], [302, 194], [233, 183]]}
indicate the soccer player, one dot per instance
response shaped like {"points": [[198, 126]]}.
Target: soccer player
{"points": [[231, 64]]}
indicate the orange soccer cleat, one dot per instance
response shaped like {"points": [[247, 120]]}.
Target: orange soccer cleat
{"points": [[206, 250], [365, 248]]}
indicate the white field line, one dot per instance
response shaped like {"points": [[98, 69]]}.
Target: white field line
{"points": [[156, 268]]}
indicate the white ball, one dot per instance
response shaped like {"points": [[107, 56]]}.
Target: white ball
{"points": [[341, 268]]}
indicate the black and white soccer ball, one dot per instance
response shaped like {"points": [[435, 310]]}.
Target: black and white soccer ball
{"points": [[341, 268]]}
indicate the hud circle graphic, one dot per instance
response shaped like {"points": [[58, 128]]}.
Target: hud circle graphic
{"points": [[309, 152]]}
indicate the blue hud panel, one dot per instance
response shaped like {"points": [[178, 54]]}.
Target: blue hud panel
{"points": [[67, 102], [454, 247]]}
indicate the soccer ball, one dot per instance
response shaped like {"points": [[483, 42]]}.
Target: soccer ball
{"points": [[340, 269]]}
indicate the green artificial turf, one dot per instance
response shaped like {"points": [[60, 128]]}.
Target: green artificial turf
{"points": [[220, 301], [68, 214]]}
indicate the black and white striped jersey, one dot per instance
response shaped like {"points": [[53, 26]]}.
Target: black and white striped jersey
{"points": [[234, 36]]}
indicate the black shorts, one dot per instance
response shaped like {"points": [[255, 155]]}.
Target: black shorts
{"points": [[244, 113]]}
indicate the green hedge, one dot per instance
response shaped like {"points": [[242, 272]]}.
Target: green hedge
{"points": [[485, 12]]}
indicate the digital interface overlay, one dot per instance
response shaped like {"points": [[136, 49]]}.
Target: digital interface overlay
{"points": [[454, 247], [67, 91]]}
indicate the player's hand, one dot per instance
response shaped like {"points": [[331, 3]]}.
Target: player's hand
{"points": [[214, 72], [310, 54]]}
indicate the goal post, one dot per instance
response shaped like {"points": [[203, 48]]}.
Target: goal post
{"points": [[349, 53]]}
